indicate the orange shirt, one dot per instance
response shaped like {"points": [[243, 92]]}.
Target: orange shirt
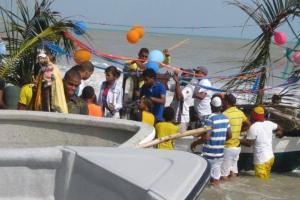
{"points": [[95, 110]]}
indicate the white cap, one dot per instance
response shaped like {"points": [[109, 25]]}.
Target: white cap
{"points": [[216, 102], [43, 55]]}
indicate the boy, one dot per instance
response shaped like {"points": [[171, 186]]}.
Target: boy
{"points": [[260, 135], [214, 140], [88, 95], [144, 115], [166, 128]]}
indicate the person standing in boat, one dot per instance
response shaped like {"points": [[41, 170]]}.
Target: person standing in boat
{"points": [[75, 104], [183, 97], [260, 136], [202, 95], [111, 95], [238, 122], [214, 140], [88, 95], [156, 91]]}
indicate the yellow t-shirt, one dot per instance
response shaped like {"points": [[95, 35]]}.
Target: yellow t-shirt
{"points": [[25, 94], [165, 129], [236, 118], [148, 117]]}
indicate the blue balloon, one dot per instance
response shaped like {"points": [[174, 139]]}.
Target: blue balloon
{"points": [[2, 48], [152, 65], [156, 56], [80, 28]]}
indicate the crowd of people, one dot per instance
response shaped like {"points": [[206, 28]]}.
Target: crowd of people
{"points": [[221, 144]]}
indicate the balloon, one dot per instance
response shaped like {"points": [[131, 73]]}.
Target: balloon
{"points": [[140, 30], [296, 57], [156, 56], [133, 36], [2, 48], [80, 28], [280, 38], [82, 55], [152, 65]]}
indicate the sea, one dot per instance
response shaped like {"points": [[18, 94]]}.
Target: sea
{"points": [[223, 57]]}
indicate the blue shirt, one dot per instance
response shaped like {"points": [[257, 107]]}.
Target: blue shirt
{"points": [[214, 148], [157, 90]]}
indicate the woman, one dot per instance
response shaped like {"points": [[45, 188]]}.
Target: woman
{"points": [[111, 95]]}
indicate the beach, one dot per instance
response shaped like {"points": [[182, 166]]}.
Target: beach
{"points": [[218, 55]]}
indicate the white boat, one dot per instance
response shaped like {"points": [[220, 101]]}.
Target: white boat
{"points": [[57, 156]]}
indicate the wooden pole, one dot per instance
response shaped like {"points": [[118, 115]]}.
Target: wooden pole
{"points": [[195, 132], [178, 44]]}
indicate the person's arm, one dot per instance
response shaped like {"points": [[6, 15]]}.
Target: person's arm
{"points": [[250, 138], [119, 100], [228, 134], [178, 92], [247, 142], [246, 123], [290, 133], [22, 106], [279, 131], [199, 95], [167, 60], [161, 100]]}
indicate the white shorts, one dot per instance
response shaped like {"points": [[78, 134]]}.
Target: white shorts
{"points": [[215, 171], [231, 157]]}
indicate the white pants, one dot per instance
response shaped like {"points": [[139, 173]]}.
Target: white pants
{"points": [[231, 157], [215, 171]]}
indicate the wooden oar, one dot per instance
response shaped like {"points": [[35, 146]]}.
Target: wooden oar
{"points": [[195, 132], [175, 46]]}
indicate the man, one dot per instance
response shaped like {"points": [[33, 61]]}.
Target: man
{"points": [[238, 122], [138, 65], [183, 96], [2, 86], [202, 95], [85, 69], [213, 147], [71, 82], [156, 91], [260, 136]]}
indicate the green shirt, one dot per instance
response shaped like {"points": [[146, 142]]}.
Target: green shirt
{"points": [[77, 106]]}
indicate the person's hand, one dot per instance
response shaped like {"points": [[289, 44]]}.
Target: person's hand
{"points": [[111, 107], [193, 146], [166, 52]]}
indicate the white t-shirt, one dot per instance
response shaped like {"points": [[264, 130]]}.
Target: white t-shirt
{"points": [[202, 107], [262, 132], [187, 93]]}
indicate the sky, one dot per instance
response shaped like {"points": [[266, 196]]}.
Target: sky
{"points": [[165, 13]]}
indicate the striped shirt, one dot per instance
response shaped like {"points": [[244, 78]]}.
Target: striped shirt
{"points": [[214, 148], [236, 118]]}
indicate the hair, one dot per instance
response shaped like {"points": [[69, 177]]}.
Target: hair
{"points": [[148, 102], [88, 92], [143, 50], [216, 109], [72, 73], [85, 66], [113, 70], [168, 114], [230, 99], [150, 73]]}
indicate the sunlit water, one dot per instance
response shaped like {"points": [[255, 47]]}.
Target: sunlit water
{"points": [[218, 54]]}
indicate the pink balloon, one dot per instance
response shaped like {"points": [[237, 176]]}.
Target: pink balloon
{"points": [[280, 38], [296, 57]]}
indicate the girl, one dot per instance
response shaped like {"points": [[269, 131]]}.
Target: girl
{"points": [[88, 95], [111, 95]]}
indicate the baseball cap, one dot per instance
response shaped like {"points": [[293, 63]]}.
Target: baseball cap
{"points": [[201, 69], [216, 102]]}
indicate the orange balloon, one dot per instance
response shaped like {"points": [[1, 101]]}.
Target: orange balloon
{"points": [[82, 55], [139, 29], [133, 36]]}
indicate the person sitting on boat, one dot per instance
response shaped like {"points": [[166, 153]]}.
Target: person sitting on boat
{"points": [[238, 122], [183, 97], [2, 86], [166, 128], [202, 95], [214, 140], [75, 104], [111, 94], [25, 96], [260, 136], [88, 95], [156, 91], [85, 69], [144, 115]]}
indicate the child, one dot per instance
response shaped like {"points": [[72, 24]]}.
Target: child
{"points": [[88, 95], [111, 95], [166, 128], [260, 135], [214, 140], [144, 114]]}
